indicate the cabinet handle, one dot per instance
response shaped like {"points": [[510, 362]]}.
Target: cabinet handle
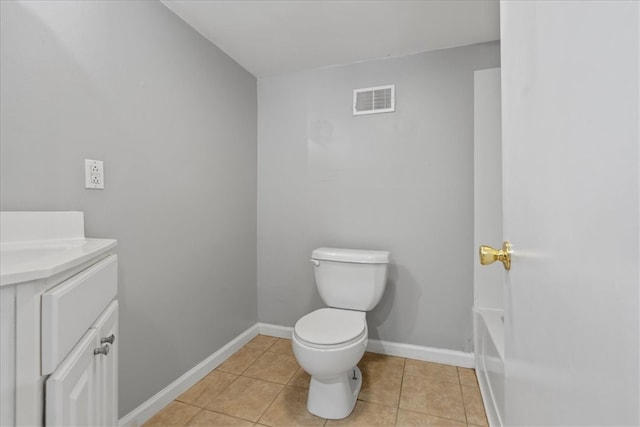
{"points": [[110, 339], [101, 350]]}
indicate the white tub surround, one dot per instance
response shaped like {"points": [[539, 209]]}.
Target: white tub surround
{"points": [[489, 360], [57, 291]]}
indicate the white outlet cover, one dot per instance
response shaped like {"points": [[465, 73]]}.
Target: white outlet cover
{"points": [[93, 174]]}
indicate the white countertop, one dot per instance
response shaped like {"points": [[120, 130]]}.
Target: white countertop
{"points": [[26, 261]]}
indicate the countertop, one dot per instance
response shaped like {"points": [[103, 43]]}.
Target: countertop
{"points": [[27, 261]]}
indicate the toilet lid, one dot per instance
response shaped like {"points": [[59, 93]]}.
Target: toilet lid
{"points": [[330, 326]]}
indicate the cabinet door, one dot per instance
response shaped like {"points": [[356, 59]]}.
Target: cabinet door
{"points": [[71, 307], [71, 389], [107, 366]]}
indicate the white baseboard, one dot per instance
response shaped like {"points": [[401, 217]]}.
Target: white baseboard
{"points": [[148, 409], [418, 352], [429, 354], [275, 330]]}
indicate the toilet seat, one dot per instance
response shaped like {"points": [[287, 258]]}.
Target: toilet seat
{"points": [[330, 327]]}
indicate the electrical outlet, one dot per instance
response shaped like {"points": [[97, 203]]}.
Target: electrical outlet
{"points": [[93, 174]]}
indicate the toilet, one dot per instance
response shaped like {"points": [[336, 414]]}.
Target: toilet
{"points": [[329, 342]]}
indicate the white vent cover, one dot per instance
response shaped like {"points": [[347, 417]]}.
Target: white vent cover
{"points": [[370, 100]]}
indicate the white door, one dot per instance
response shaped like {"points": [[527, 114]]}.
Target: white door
{"points": [[71, 390], [107, 335], [570, 87]]}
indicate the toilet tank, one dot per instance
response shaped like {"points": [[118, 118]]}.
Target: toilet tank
{"points": [[352, 279]]}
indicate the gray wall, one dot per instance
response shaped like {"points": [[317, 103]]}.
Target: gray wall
{"points": [[174, 120], [400, 181]]}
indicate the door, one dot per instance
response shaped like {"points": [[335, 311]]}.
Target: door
{"points": [[83, 390], [571, 196], [71, 390]]}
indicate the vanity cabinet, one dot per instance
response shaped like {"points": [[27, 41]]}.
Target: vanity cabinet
{"points": [[60, 348], [58, 322]]}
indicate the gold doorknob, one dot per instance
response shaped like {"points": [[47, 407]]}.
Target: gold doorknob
{"points": [[489, 255]]}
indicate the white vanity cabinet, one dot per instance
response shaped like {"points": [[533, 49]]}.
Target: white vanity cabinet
{"points": [[58, 322]]}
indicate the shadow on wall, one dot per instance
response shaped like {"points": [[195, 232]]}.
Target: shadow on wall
{"points": [[387, 313]]}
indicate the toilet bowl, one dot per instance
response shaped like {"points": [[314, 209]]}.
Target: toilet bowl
{"points": [[330, 355], [328, 343]]}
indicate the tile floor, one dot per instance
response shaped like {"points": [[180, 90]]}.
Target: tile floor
{"points": [[262, 384]]}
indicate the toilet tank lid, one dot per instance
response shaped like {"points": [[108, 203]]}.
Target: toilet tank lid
{"points": [[351, 255]]}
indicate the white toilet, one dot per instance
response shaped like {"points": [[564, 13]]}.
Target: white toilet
{"points": [[329, 342]]}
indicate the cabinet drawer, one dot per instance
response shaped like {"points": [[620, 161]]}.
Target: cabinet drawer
{"points": [[70, 308]]}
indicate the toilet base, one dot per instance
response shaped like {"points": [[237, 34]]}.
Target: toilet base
{"points": [[334, 398]]}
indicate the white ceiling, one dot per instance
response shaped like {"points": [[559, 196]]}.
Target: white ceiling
{"points": [[273, 37]]}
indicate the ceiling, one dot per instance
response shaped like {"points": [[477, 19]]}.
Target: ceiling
{"points": [[274, 37]]}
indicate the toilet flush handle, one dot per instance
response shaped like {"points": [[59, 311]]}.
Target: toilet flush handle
{"points": [[315, 262]]}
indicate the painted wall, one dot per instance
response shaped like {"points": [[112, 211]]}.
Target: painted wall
{"points": [[174, 120], [399, 181], [487, 187]]}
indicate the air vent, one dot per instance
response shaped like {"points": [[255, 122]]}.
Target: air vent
{"points": [[370, 100]]}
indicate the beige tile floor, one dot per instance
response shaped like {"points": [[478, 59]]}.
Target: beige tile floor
{"points": [[262, 384]]}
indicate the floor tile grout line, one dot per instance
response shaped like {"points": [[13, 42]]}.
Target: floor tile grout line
{"points": [[404, 364], [277, 352], [262, 354], [227, 415], [464, 405], [259, 348], [439, 381], [245, 369], [194, 415], [279, 393], [270, 404], [221, 391], [240, 418], [256, 348], [218, 394], [266, 381], [207, 388], [243, 376], [293, 376]]}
